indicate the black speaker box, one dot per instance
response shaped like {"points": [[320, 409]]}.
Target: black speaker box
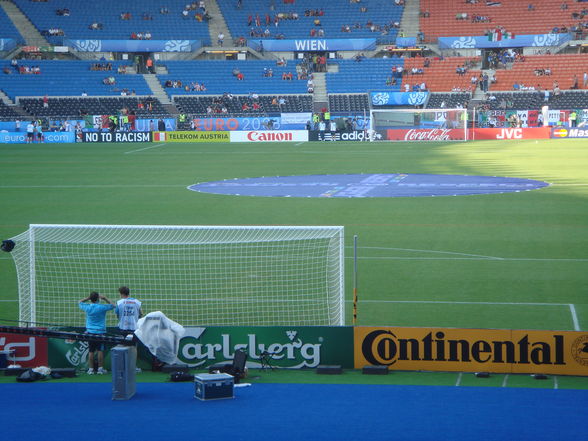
{"points": [[65, 372], [375, 370], [329, 370], [169, 368]]}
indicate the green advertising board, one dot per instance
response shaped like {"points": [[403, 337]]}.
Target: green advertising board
{"points": [[285, 347]]}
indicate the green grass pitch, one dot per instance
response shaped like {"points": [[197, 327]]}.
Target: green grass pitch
{"points": [[517, 260]]}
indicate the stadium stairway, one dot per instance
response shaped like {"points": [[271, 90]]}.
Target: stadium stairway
{"points": [[28, 31], [410, 18], [217, 24], [158, 92]]}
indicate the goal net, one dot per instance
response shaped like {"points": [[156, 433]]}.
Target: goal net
{"points": [[196, 275], [419, 124]]}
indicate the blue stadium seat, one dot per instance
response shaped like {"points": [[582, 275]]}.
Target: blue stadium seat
{"points": [[68, 78], [360, 76], [8, 30], [336, 15], [218, 78], [107, 12]]}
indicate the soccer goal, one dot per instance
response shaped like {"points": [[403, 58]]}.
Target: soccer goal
{"points": [[418, 124], [196, 275]]}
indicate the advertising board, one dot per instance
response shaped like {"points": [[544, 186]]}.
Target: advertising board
{"points": [[425, 134], [270, 136], [190, 137], [512, 133], [116, 137], [473, 350], [26, 350]]}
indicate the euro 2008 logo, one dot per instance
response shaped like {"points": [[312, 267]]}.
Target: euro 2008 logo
{"points": [[380, 99], [580, 350]]}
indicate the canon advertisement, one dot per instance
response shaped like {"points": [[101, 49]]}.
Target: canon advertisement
{"points": [[116, 137], [270, 136]]}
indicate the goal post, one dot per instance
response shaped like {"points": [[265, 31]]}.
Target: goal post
{"points": [[196, 275], [418, 124]]}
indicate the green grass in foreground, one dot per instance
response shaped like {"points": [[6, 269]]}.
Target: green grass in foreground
{"points": [[356, 377], [514, 261]]}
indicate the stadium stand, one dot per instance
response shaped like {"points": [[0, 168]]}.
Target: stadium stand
{"points": [[448, 100], [7, 29], [359, 76], [535, 100], [92, 106], [198, 105], [354, 103], [219, 77], [55, 79], [335, 16], [144, 16], [442, 74], [7, 111], [564, 69], [444, 18]]}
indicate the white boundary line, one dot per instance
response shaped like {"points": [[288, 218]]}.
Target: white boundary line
{"points": [[458, 382], [505, 380], [555, 384], [574, 317], [145, 148], [463, 303]]}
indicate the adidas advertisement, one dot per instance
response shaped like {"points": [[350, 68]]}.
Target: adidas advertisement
{"points": [[355, 135]]}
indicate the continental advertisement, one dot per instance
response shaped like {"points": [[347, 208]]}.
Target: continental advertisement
{"points": [[472, 350], [191, 137]]}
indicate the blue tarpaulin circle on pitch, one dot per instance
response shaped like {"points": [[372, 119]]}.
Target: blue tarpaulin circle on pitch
{"points": [[380, 185]]}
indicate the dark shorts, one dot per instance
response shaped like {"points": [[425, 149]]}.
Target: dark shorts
{"points": [[96, 346], [29, 134]]}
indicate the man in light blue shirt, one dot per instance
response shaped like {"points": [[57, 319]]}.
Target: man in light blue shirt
{"points": [[96, 324]]}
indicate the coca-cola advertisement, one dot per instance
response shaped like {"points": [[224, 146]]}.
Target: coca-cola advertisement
{"points": [[425, 134]]}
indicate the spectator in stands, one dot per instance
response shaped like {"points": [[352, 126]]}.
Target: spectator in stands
{"points": [[240, 76], [45, 102], [6, 70], [574, 82], [585, 78], [164, 10], [220, 38], [95, 26]]}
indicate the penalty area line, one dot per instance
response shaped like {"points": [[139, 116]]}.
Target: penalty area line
{"points": [[145, 148]]}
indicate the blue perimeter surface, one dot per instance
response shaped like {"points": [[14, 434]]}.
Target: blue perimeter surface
{"points": [[50, 411], [368, 185]]}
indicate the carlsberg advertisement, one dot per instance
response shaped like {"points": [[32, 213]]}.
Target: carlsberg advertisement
{"points": [[285, 347]]}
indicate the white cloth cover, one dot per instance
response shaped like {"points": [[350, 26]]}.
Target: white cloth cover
{"points": [[161, 336]]}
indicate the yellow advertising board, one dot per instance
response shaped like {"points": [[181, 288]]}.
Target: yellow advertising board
{"points": [[472, 350], [191, 136]]}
